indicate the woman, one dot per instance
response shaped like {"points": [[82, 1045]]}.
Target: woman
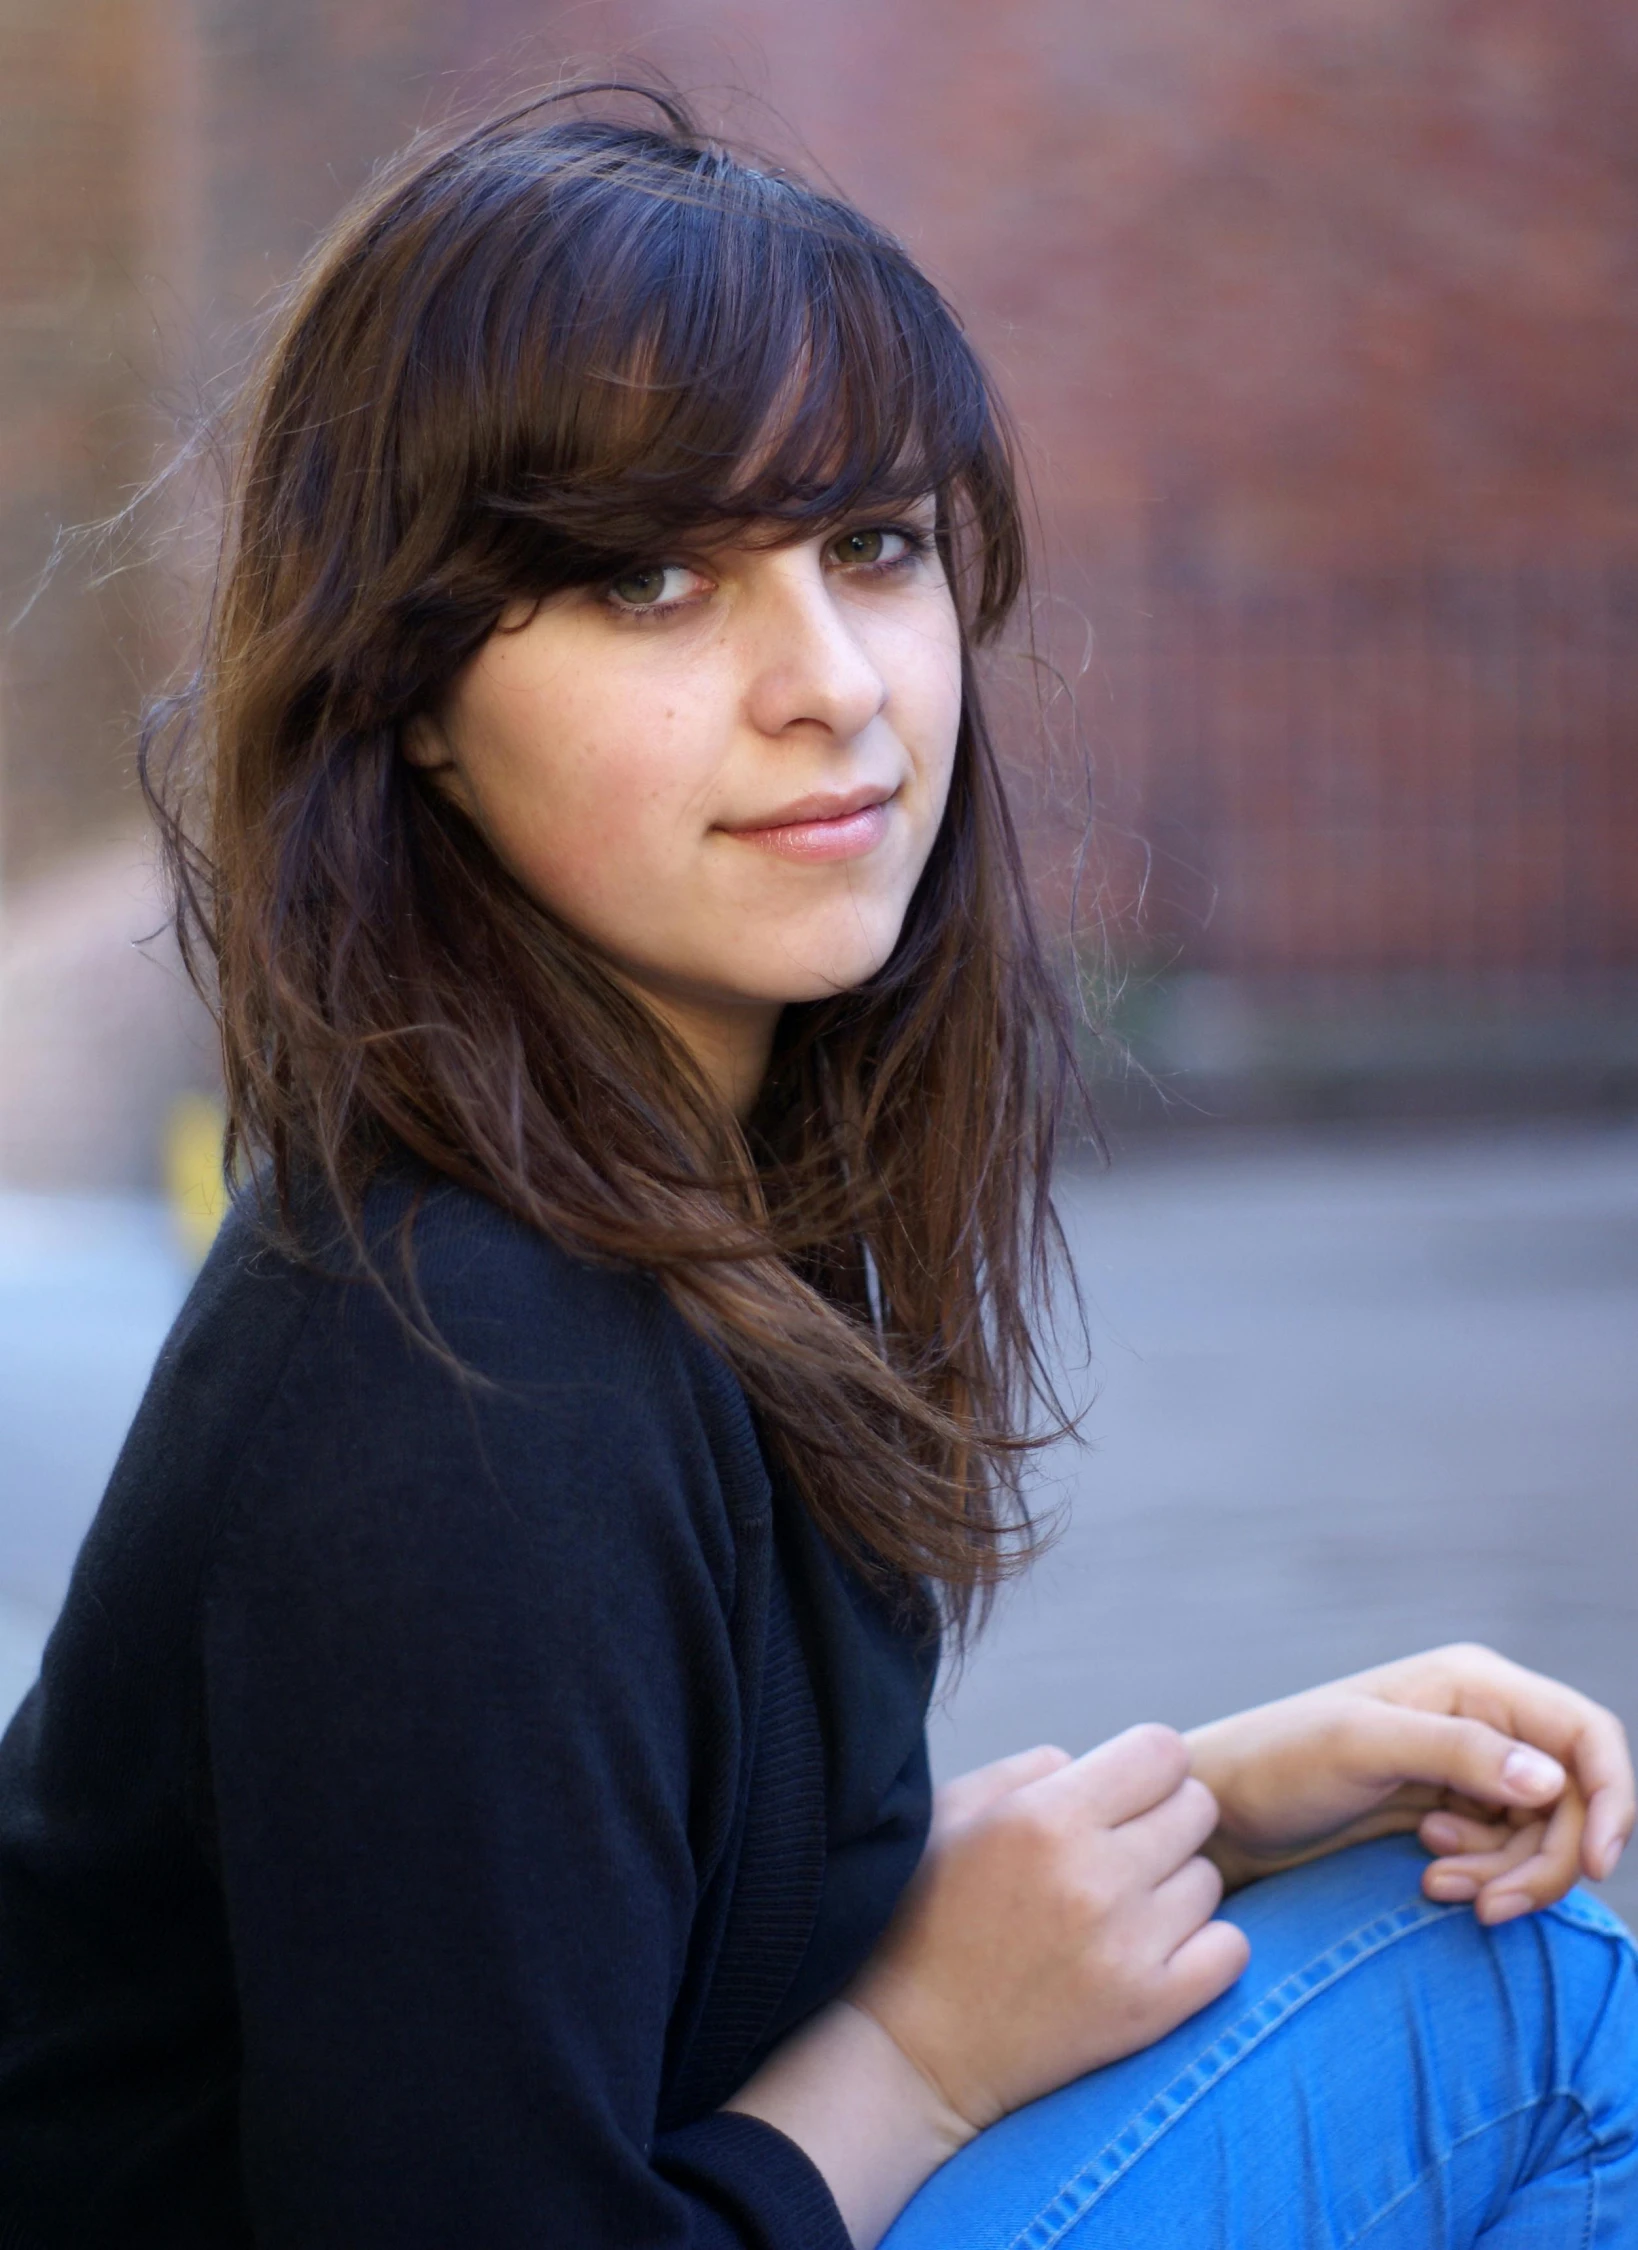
{"points": [[476, 1792]]}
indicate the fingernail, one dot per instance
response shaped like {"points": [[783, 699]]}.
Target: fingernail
{"points": [[1505, 1906], [1452, 1889], [1532, 1773], [1441, 1832], [1612, 1858]]}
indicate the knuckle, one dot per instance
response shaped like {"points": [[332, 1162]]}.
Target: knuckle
{"points": [[1339, 1726], [1230, 1951], [1210, 1879], [1468, 1655], [1029, 1825], [1097, 1893], [1160, 1745], [1478, 1744], [1199, 1799]]}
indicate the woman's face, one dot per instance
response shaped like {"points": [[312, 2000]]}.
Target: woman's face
{"points": [[726, 769]]}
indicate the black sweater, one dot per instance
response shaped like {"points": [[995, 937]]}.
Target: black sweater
{"points": [[440, 1791]]}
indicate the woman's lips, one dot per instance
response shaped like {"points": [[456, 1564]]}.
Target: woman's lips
{"points": [[842, 835]]}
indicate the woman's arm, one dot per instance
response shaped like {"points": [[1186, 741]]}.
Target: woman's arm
{"points": [[861, 2112], [1061, 1918], [471, 1697], [1518, 1784]]}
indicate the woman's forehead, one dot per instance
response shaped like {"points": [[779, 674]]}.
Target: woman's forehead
{"points": [[804, 410]]}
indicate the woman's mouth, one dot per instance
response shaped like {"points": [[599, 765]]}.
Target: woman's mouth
{"points": [[819, 828]]}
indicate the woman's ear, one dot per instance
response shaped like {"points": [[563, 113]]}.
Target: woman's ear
{"points": [[426, 746]]}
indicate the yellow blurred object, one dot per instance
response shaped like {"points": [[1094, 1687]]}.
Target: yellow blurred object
{"points": [[193, 1170]]}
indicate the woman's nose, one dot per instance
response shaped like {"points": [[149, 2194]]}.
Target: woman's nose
{"points": [[806, 662]]}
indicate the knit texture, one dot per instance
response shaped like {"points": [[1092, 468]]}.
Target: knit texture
{"points": [[441, 1787]]}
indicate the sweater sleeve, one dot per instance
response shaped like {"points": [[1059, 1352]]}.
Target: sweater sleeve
{"points": [[472, 1716]]}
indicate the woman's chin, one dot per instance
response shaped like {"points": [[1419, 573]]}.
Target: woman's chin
{"points": [[822, 977], [833, 953]]}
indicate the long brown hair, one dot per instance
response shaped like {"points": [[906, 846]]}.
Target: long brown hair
{"points": [[527, 358]]}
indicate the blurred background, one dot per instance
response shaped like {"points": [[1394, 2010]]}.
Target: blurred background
{"points": [[1320, 322]]}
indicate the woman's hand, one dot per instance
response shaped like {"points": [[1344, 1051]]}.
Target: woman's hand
{"points": [[1518, 1784], [1060, 1918]]}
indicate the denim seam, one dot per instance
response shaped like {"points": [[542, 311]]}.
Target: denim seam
{"points": [[1075, 2198], [1589, 2232], [1555, 2093], [1592, 1915]]}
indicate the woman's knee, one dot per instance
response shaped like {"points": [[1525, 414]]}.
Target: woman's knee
{"points": [[1379, 2048], [1569, 1970]]}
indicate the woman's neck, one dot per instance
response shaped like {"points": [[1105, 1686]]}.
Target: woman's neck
{"points": [[729, 1045]]}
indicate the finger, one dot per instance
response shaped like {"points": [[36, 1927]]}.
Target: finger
{"points": [[970, 1794], [1546, 1875], [1592, 1743], [1203, 1966], [1123, 1777], [1587, 1739], [1602, 1765], [1400, 1744], [1459, 1879], [1469, 1808], [1450, 1833], [1185, 1902], [1170, 1833]]}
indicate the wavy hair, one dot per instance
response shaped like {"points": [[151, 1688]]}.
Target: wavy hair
{"points": [[528, 357]]}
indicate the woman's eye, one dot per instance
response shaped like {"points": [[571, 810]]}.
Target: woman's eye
{"points": [[653, 586], [873, 549]]}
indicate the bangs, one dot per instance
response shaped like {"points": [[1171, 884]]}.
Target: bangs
{"points": [[670, 341]]}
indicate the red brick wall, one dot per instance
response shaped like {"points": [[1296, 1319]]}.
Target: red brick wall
{"points": [[1428, 769], [1308, 310], [70, 338]]}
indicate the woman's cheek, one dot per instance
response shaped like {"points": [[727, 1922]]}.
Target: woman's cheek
{"points": [[595, 866]]}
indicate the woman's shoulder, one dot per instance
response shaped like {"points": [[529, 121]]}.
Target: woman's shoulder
{"points": [[463, 1349], [425, 1246], [438, 1276], [445, 1274]]}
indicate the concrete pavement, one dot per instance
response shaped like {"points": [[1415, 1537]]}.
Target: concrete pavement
{"points": [[88, 1287], [1357, 1398]]}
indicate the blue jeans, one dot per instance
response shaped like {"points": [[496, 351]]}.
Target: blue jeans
{"points": [[1387, 2072]]}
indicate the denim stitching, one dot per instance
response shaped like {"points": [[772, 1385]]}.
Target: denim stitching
{"points": [[1553, 2094], [1590, 2230], [1071, 2203], [1094, 2179], [1584, 1912]]}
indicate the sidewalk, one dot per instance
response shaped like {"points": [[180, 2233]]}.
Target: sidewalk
{"points": [[88, 1287], [1359, 1397]]}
